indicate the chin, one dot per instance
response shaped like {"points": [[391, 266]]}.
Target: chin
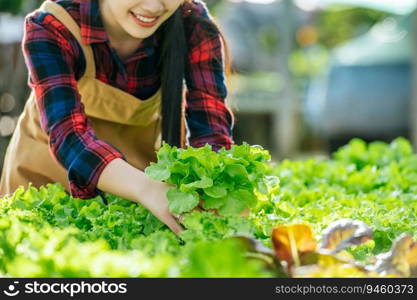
{"points": [[137, 35], [140, 34]]}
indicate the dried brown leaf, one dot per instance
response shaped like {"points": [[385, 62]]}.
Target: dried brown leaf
{"points": [[344, 233], [411, 258], [395, 262], [292, 241]]}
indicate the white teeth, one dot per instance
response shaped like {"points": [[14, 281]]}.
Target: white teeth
{"points": [[144, 19]]}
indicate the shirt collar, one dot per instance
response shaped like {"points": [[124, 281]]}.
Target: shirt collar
{"points": [[92, 28]]}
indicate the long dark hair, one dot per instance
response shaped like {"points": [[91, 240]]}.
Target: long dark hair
{"points": [[172, 69]]}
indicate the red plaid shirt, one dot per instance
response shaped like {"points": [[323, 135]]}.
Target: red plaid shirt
{"points": [[55, 62]]}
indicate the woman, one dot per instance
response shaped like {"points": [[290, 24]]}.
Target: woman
{"points": [[107, 81]]}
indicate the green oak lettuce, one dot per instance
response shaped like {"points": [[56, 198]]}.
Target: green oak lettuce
{"points": [[229, 181]]}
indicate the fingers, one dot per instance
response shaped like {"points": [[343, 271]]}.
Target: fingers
{"points": [[173, 224], [179, 218]]}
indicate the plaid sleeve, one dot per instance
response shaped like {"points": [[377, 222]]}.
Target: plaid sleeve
{"points": [[51, 57], [209, 119]]}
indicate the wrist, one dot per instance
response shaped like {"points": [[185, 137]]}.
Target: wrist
{"points": [[123, 180], [144, 188]]}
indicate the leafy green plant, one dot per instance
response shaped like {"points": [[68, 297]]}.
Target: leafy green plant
{"points": [[228, 181], [46, 233]]}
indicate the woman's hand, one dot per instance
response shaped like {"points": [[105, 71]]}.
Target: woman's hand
{"points": [[157, 202], [121, 179]]}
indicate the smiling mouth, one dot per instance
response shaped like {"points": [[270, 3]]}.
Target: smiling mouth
{"points": [[144, 21]]}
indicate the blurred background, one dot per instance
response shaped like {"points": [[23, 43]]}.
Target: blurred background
{"points": [[309, 75]]}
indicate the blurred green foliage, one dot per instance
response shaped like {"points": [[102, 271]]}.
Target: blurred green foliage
{"points": [[308, 62], [11, 6], [19, 7], [340, 24], [334, 27], [268, 39], [212, 4]]}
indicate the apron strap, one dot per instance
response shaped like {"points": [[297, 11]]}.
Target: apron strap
{"points": [[65, 18]]}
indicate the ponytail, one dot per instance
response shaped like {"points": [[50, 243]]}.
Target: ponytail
{"points": [[172, 68]]}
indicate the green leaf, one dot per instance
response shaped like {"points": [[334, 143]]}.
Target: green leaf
{"points": [[216, 191], [92, 211], [205, 182], [262, 187], [178, 167], [236, 201], [197, 168], [158, 172], [166, 154], [236, 171], [212, 203], [220, 259], [180, 202]]}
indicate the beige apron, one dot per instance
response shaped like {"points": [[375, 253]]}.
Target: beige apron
{"points": [[126, 122]]}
